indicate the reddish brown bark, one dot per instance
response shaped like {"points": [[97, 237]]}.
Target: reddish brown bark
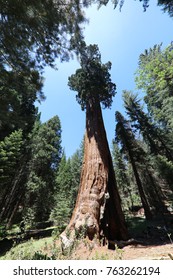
{"points": [[98, 206]]}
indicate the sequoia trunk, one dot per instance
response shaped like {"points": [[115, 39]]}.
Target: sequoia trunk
{"points": [[98, 206]]}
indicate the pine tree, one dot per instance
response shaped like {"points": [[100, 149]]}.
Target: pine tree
{"points": [[155, 137], [76, 167], [18, 93], [62, 210], [154, 76], [38, 31], [46, 154], [135, 153], [125, 186], [10, 157]]}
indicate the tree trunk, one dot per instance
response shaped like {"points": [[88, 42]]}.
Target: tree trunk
{"points": [[98, 207], [145, 204], [13, 199]]}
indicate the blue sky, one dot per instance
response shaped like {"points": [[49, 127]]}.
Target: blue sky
{"points": [[121, 37]]}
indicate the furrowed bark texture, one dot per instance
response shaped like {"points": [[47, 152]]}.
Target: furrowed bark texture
{"points": [[98, 206]]}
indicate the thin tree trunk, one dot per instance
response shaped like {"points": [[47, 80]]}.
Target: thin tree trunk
{"points": [[14, 197], [145, 204], [98, 206]]}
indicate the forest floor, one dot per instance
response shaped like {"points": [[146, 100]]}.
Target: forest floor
{"points": [[130, 252], [42, 249], [149, 241]]}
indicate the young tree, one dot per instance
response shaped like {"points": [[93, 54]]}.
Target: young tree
{"points": [[66, 188], [61, 210], [98, 206], [76, 167]]}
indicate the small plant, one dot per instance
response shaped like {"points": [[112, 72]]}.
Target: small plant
{"points": [[56, 233], [68, 233], [3, 232], [101, 257], [119, 253], [168, 234], [41, 256]]}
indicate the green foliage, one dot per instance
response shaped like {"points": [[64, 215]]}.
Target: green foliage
{"points": [[76, 166], [155, 137], [10, 155], [34, 250], [67, 184], [61, 211], [46, 154], [155, 77], [167, 5], [18, 92], [38, 31], [126, 187], [92, 81], [165, 168]]}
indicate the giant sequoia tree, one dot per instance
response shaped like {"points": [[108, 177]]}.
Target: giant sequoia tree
{"points": [[98, 207]]}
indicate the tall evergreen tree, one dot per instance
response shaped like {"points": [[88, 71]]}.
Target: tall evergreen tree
{"points": [[93, 85], [10, 157], [76, 167], [66, 188], [125, 136], [124, 183], [18, 93], [155, 137], [61, 210], [46, 154], [154, 76]]}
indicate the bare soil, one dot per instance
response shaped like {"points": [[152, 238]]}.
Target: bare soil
{"points": [[158, 252], [130, 252]]}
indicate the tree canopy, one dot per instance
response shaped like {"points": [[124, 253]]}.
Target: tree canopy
{"points": [[37, 32], [93, 80], [155, 77]]}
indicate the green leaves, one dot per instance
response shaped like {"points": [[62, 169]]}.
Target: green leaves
{"points": [[18, 92], [155, 77], [45, 29], [45, 149], [92, 81]]}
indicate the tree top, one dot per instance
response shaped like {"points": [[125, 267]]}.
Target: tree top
{"points": [[92, 81]]}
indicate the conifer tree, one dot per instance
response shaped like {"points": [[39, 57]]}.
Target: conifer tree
{"points": [[154, 77], [123, 181], [46, 151], [125, 136], [98, 206], [155, 137], [61, 210], [10, 157]]}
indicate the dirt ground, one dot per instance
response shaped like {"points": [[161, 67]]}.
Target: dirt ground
{"points": [[158, 252], [130, 252]]}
